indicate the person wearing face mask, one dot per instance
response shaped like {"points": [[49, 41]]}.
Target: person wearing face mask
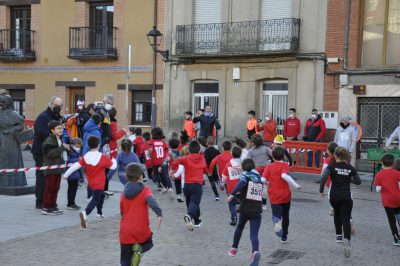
{"points": [[41, 132], [188, 125], [292, 126], [346, 135], [269, 128], [207, 122], [314, 131], [74, 154]]}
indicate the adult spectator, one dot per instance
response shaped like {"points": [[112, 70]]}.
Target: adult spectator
{"points": [[269, 129], [346, 135], [314, 131], [207, 122], [395, 134], [251, 124], [292, 126], [41, 132], [102, 110]]}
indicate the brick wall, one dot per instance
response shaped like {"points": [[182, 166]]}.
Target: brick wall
{"points": [[335, 46], [81, 14], [159, 102]]}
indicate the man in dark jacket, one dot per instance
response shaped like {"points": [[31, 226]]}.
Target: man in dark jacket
{"points": [[84, 115], [314, 131], [207, 122], [41, 132], [102, 110]]}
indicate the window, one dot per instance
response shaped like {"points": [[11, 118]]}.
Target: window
{"points": [[20, 25], [18, 97], [141, 108], [381, 32]]}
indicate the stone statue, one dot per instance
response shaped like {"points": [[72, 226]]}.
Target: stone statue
{"points": [[11, 135]]}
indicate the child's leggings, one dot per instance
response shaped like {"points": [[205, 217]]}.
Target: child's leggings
{"points": [[255, 222], [342, 214]]}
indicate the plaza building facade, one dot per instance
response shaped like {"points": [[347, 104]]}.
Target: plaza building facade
{"points": [[365, 35], [238, 56], [77, 50]]}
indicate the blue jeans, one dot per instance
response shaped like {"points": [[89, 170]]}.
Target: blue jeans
{"points": [[96, 201], [193, 194], [255, 222], [232, 207], [310, 155], [281, 212]]}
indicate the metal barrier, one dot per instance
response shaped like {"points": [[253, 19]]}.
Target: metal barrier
{"points": [[299, 152], [29, 124]]}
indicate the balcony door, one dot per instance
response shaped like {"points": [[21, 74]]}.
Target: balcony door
{"points": [[276, 33], [207, 33], [101, 23], [20, 36]]}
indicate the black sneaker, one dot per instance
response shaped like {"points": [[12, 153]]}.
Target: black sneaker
{"points": [[396, 241], [339, 239], [57, 210], [50, 212], [73, 207], [197, 223], [233, 221]]}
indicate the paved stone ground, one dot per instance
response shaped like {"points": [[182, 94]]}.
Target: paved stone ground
{"points": [[60, 240]]}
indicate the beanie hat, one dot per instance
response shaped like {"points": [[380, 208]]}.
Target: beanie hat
{"points": [[278, 139]]}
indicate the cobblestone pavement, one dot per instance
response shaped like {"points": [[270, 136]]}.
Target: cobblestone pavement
{"points": [[311, 232]]}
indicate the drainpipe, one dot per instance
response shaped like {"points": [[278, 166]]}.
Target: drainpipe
{"points": [[153, 91], [346, 36]]}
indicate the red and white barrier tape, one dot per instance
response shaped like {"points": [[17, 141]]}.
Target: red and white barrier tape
{"points": [[49, 167]]}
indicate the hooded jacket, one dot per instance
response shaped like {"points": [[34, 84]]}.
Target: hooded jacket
{"points": [[315, 130], [41, 130], [73, 157], [53, 154], [346, 137], [195, 166], [207, 123], [134, 207], [91, 129]]}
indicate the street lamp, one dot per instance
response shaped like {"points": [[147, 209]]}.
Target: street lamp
{"points": [[155, 37]]}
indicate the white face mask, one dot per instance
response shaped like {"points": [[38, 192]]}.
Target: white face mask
{"points": [[267, 118], [313, 117], [80, 107], [291, 115], [108, 106], [78, 150], [188, 116]]}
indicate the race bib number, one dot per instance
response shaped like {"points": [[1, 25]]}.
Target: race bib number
{"points": [[234, 173], [147, 155], [254, 191]]}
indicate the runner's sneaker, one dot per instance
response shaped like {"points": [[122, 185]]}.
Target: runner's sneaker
{"points": [[220, 185], [216, 198], [346, 246], [233, 221], [163, 190], [197, 223], [255, 258], [171, 194], [396, 241], [100, 216], [137, 249], [284, 240], [83, 217], [179, 198], [339, 239], [232, 252], [264, 207], [277, 226], [108, 193], [189, 223]]}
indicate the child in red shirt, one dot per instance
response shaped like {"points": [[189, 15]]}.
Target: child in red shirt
{"points": [[174, 154], [95, 164], [138, 143], [230, 177], [195, 166], [221, 161], [387, 183], [277, 175], [135, 233], [146, 155]]}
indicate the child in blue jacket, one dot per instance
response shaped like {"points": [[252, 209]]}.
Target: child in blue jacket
{"points": [[73, 180], [92, 128]]}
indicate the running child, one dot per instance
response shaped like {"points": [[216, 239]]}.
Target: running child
{"points": [[342, 174], [387, 183], [188, 125], [210, 153], [125, 157], [74, 154], [250, 208], [195, 166], [135, 234], [138, 143], [173, 155], [230, 177], [278, 178], [131, 134], [146, 155], [221, 161], [95, 164], [183, 139], [243, 145]]}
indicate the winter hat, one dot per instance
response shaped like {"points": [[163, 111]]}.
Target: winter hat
{"points": [[346, 118], [278, 139]]}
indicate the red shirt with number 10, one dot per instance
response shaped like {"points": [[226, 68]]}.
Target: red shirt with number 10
{"points": [[159, 152]]}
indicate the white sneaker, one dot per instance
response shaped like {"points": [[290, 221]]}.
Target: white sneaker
{"points": [[278, 226], [216, 198], [100, 216], [163, 190], [83, 217], [108, 193], [188, 222], [264, 207], [179, 198], [171, 194]]}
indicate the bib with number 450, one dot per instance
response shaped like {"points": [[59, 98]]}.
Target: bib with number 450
{"points": [[254, 191]]}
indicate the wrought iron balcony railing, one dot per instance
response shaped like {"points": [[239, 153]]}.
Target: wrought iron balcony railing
{"points": [[87, 43], [273, 36], [17, 45]]}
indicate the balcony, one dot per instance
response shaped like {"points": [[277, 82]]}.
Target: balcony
{"points": [[93, 43], [17, 45], [249, 38]]}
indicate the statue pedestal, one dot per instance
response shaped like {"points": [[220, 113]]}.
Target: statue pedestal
{"points": [[17, 191]]}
